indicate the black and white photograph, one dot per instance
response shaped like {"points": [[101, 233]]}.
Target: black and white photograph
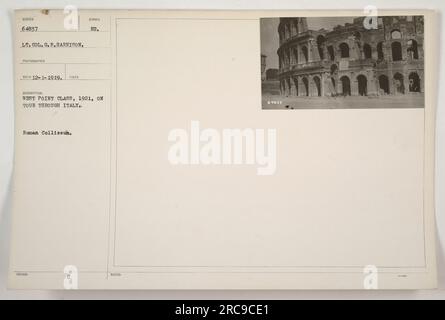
{"points": [[342, 62], [222, 159]]}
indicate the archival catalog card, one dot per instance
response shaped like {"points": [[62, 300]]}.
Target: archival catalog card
{"points": [[224, 150]]}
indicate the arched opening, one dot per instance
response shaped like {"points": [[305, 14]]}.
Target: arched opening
{"points": [[399, 83], [367, 51], [289, 57], [305, 53], [357, 36], [295, 55], [334, 69], [344, 50], [346, 84], [289, 87], [333, 87], [331, 53], [384, 84], [413, 49], [396, 51], [414, 82], [362, 85], [317, 83], [321, 41], [380, 53], [296, 86], [306, 87]]}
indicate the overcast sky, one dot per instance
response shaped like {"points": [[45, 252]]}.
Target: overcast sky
{"points": [[270, 40]]}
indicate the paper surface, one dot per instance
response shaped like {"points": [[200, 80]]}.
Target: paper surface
{"points": [[340, 196]]}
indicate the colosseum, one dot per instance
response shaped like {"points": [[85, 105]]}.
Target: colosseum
{"points": [[351, 60]]}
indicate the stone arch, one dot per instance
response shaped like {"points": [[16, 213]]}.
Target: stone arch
{"points": [[289, 87], [414, 82], [367, 51], [317, 82], [344, 50], [289, 57], [413, 49], [396, 48], [306, 86], [321, 43], [295, 55], [297, 89], [362, 83], [333, 86], [399, 83], [305, 53], [346, 85], [331, 53], [384, 84], [380, 52]]}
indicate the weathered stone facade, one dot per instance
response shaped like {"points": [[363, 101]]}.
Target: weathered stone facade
{"points": [[350, 59]]}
